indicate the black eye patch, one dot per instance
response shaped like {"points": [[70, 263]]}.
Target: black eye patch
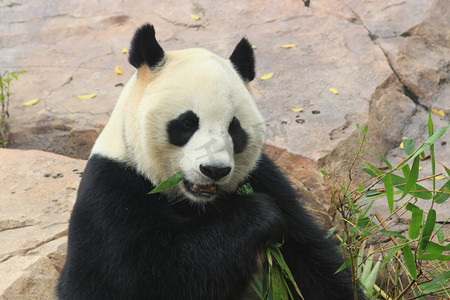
{"points": [[238, 135], [181, 129]]}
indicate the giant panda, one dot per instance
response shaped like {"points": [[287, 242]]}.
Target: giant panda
{"points": [[190, 111]]}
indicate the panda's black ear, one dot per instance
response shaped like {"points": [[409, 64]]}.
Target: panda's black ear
{"points": [[244, 60], [145, 48]]}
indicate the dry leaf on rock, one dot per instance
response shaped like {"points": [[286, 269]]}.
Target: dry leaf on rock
{"points": [[333, 91], [31, 102], [118, 70], [288, 46], [253, 47], [195, 17], [440, 177], [297, 109], [267, 76], [88, 96], [401, 146], [124, 50], [438, 112]]}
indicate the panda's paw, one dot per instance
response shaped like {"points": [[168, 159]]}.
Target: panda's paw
{"points": [[268, 216]]}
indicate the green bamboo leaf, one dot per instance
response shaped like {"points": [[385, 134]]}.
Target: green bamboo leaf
{"points": [[421, 192], [366, 129], [427, 229], [360, 258], [370, 281], [369, 171], [434, 248], [416, 221], [374, 169], [367, 265], [330, 232], [409, 261], [278, 291], [282, 263], [387, 180], [393, 233], [409, 146], [439, 233], [433, 157], [390, 255], [412, 178], [170, 182], [256, 284], [359, 133], [436, 284], [343, 266], [245, 189], [431, 140], [442, 197]]}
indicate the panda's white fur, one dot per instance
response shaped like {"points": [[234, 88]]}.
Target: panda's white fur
{"points": [[191, 79]]}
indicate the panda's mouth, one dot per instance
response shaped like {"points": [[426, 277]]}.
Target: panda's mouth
{"points": [[205, 190]]}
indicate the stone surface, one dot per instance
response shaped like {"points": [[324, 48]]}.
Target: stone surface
{"points": [[37, 195]]}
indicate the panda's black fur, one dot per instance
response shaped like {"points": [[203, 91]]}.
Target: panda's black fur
{"points": [[127, 244]]}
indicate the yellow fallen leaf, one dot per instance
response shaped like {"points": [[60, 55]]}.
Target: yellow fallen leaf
{"points": [[420, 168], [440, 177], [267, 76], [333, 91], [287, 46], [438, 112], [253, 47], [297, 109], [124, 50], [118, 70], [86, 97], [195, 17], [31, 102], [401, 144]]}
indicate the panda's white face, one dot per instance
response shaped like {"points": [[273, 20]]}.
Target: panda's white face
{"points": [[193, 114]]}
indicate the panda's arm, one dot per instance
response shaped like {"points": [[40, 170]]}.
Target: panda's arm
{"points": [[312, 259]]}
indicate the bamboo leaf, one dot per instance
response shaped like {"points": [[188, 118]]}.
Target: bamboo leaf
{"points": [[427, 229], [416, 221], [421, 192], [267, 76], [439, 233], [437, 283], [433, 157], [390, 255], [31, 102], [387, 180], [87, 97], [330, 232], [393, 233], [408, 146], [412, 178], [442, 197], [343, 266], [370, 281], [334, 91], [409, 261], [367, 265], [170, 182], [431, 140]]}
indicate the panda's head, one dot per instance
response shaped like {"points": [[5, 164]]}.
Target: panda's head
{"points": [[190, 111]]}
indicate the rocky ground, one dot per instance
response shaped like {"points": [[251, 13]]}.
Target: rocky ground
{"points": [[388, 60]]}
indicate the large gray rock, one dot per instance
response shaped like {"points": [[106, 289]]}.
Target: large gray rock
{"points": [[36, 198]]}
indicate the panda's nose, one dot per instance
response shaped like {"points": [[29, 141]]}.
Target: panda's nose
{"points": [[215, 172]]}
